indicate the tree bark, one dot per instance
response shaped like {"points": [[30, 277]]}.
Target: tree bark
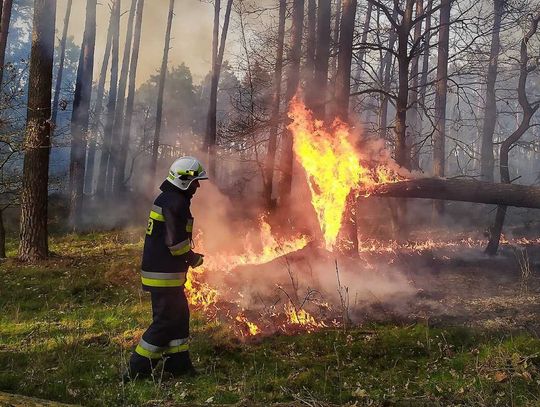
{"points": [[58, 86], [98, 108], [439, 136], [343, 89], [161, 88], [413, 118], [528, 112], [2, 236], [343, 77], [362, 51], [130, 102], [80, 117], [4, 30], [311, 38], [387, 64], [33, 230], [293, 79], [461, 190], [487, 160], [211, 127], [401, 152], [111, 104], [275, 117], [121, 101], [335, 38], [322, 55]]}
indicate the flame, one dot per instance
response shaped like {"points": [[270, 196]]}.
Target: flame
{"points": [[253, 329], [332, 165], [301, 317]]}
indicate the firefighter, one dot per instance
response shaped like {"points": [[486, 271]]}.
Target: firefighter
{"points": [[166, 258]]}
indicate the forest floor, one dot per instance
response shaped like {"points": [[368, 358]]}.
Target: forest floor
{"points": [[68, 325]]}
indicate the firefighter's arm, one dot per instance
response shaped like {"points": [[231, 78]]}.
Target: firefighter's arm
{"points": [[176, 234]]}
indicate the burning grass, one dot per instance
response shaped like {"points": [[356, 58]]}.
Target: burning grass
{"points": [[68, 325]]}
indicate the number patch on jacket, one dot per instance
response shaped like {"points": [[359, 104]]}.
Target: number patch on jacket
{"points": [[150, 226]]}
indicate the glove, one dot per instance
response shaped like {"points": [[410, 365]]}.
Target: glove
{"points": [[197, 260]]}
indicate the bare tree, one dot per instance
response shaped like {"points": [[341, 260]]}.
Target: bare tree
{"points": [[293, 80], [487, 161], [343, 91], [529, 109], [322, 55], [211, 126], [439, 137], [275, 116], [121, 101], [126, 128], [59, 75], [111, 104], [33, 230], [161, 88], [98, 108], [80, 116]]}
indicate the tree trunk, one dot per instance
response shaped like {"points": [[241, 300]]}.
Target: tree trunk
{"points": [[311, 38], [81, 116], [425, 61], [343, 90], [413, 118], [211, 127], [401, 152], [98, 108], [322, 55], [343, 77], [386, 76], [311, 94], [4, 30], [528, 112], [335, 38], [111, 104], [126, 128], [33, 230], [439, 135], [161, 88], [293, 79], [487, 161], [58, 86], [362, 51], [2, 236], [275, 117], [463, 190], [121, 101]]}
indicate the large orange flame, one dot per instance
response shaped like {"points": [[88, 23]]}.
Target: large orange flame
{"points": [[333, 167]]}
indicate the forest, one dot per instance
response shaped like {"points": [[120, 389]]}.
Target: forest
{"points": [[364, 229]]}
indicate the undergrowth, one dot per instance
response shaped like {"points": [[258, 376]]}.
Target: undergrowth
{"points": [[68, 325]]}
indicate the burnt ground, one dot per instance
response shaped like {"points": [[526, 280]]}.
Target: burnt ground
{"points": [[467, 288], [457, 286]]}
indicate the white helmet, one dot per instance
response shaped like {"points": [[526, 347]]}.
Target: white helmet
{"points": [[184, 171]]}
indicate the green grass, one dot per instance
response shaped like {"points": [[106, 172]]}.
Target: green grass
{"points": [[68, 326]]}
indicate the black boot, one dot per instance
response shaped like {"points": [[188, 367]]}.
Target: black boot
{"points": [[140, 367], [179, 364]]}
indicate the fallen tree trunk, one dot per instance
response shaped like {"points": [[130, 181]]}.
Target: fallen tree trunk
{"points": [[462, 190]]}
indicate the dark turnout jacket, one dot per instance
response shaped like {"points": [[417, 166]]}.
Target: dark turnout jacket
{"points": [[167, 252]]}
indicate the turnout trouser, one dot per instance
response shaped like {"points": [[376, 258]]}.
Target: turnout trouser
{"points": [[167, 336]]}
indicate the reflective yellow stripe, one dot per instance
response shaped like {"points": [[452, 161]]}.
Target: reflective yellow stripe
{"points": [[181, 248], [153, 282], [146, 353], [157, 216], [177, 349], [189, 226]]}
